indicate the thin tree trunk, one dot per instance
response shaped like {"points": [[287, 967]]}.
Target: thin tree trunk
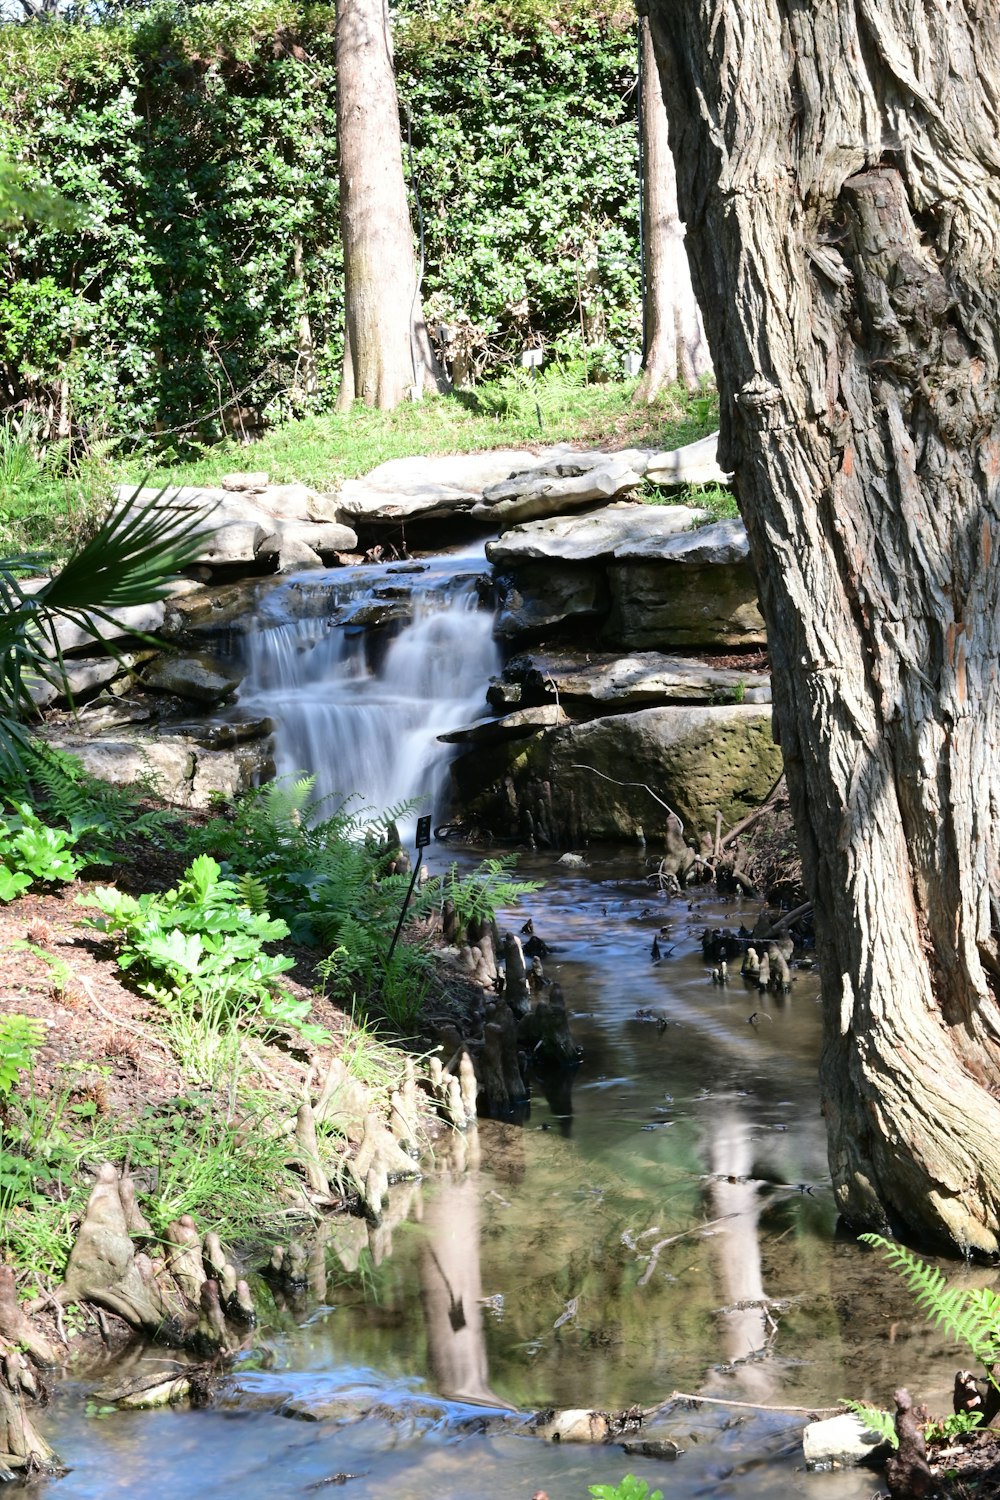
{"points": [[673, 336], [387, 353], [306, 382], [839, 174]]}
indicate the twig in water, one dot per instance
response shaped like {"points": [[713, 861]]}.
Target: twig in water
{"points": [[672, 1239], [805, 1411]]}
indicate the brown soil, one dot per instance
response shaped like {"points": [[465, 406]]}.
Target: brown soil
{"points": [[102, 1039]]}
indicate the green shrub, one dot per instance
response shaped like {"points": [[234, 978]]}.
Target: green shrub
{"points": [[201, 140], [30, 851]]}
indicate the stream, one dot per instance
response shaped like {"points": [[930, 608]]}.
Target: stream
{"points": [[660, 1221]]}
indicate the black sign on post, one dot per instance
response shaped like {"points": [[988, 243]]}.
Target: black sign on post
{"points": [[423, 839]]}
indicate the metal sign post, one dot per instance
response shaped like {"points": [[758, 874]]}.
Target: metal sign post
{"points": [[423, 839], [530, 360]]}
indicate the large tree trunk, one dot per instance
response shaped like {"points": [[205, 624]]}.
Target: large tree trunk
{"points": [[387, 354], [673, 337], [839, 174]]}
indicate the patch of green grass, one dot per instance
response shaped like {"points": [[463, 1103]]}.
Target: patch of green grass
{"points": [[717, 499], [228, 1175], [322, 451]]}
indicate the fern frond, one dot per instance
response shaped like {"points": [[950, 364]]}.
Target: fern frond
{"points": [[970, 1314], [252, 893], [875, 1418]]}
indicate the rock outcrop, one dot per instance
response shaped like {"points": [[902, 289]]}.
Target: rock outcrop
{"points": [[650, 576], [613, 612], [619, 777]]}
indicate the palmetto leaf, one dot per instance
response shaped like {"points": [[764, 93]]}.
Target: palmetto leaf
{"points": [[132, 559]]}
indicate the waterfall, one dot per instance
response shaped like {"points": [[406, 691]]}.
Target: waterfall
{"points": [[361, 715]]}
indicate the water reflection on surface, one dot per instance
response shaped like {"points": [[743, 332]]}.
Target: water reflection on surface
{"points": [[664, 1226]]}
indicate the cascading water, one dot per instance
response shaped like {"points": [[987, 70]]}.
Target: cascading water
{"points": [[363, 717]]}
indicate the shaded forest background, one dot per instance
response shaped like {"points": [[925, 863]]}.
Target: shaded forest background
{"points": [[203, 286]]}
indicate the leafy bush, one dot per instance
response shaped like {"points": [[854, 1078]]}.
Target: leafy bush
{"points": [[202, 140], [329, 875]]}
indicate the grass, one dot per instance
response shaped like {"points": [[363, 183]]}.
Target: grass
{"points": [[322, 451]]}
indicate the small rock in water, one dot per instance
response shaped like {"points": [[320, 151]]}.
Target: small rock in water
{"points": [[841, 1440], [573, 860]]}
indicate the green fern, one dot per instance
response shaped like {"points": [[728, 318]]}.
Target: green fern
{"points": [[252, 893], [20, 1038], [477, 896], [875, 1419], [971, 1314], [98, 814]]}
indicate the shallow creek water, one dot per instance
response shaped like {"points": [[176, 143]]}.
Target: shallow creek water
{"points": [[660, 1221]]}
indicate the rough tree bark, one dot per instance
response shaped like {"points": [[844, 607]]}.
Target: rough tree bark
{"points": [[387, 354], [673, 336], [839, 173]]}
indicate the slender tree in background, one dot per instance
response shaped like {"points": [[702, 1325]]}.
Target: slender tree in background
{"points": [[673, 337], [387, 354], [838, 170]]}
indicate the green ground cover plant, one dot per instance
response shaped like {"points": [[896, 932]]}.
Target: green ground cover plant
{"points": [[629, 1488], [31, 851], [200, 952]]}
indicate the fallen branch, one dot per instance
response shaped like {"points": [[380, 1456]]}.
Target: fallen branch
{"points": [[757, 813], [804, 1411]]}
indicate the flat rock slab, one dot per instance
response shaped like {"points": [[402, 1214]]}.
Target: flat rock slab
{"points": [[512, 485], [719, 544], [517, 725], [200, 679], [178, 770], [634, 679], [553, 489], [695, 463], [406, 488], [90, 631], [615, 530], [242, 526]]}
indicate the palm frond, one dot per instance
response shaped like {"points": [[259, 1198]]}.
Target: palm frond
{"points": [[132, 559]]}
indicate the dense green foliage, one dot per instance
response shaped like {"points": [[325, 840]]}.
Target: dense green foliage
{"points": [[32, 851], [524, 139], [201, 142]]}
